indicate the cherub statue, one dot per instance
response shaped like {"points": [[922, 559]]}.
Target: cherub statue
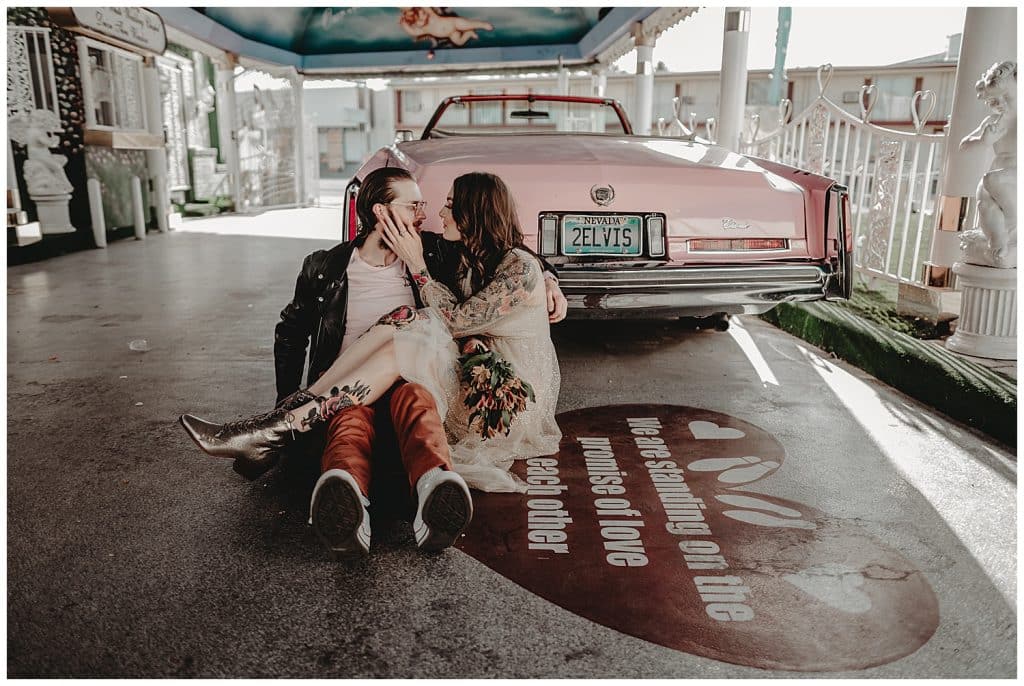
{"points": [[994, 242], [440, 25], [44, 170]]}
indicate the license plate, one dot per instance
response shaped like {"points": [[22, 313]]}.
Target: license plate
{"points": [[601, 234]]}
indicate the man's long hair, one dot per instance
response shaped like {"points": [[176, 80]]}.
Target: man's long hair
{"points": [[376, 188], [486, 216]]}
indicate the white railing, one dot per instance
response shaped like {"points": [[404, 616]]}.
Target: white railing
{"points": [[892, 175]]}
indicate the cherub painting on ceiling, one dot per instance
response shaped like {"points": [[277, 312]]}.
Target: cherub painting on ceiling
{"points": [[441, 26]]}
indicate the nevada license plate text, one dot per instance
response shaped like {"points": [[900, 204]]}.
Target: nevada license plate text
{"points": [[601, 234]]}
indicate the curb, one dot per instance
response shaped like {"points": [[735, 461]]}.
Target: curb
{"points": [[965, 391]]}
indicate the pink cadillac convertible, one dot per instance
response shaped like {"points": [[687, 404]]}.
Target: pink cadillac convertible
{"points": [[637, 226]]}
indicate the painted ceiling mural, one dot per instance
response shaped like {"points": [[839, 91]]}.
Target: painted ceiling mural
{"points": [[346, 30]]}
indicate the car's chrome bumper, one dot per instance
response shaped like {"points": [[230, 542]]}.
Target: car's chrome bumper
{"points": [[697, 291]]}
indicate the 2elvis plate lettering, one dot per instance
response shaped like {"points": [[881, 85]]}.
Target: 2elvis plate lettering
{"points": [[601, 234]]}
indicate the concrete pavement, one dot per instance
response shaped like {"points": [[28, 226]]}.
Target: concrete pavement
{"points": [[132, 554]]}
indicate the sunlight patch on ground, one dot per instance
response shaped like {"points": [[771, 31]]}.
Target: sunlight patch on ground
{"points": [[304, 222], [750, 349], [911, 454]]}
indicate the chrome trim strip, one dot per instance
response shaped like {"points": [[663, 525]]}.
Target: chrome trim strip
{"points": [[692, 292], [572, 280], [840, 284]]}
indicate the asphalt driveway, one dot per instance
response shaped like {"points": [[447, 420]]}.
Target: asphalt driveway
{"points": [[129, 553]]}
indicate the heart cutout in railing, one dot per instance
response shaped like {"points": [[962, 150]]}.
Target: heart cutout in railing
{"points": [[824, 77], [921, 107], [643, 523], [785, 111], [755, 126], [868, 97]]}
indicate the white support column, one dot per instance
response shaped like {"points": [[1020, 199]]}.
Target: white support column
{"points": [[156, 160], [989, 36], [732, 98], [988, 281], [138, 211], [301, 182], [563, 78], [562, 88], [643, 109], [227, 123], [598, 85], [599, 82], [99, 224]]}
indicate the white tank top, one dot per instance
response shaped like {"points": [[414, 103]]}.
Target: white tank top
{"points": [[372, 293]]}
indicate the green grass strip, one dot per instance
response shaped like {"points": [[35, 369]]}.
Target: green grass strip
{"points": [[964, 390]]}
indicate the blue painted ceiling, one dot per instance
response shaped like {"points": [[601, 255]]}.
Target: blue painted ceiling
{"points": [[349, 40], [345, 30]]}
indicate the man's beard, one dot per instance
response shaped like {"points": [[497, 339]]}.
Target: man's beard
{"points": [[384, 246]]}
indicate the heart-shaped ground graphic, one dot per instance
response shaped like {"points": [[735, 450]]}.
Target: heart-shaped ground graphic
{"points": [[632, 526], [709, 430], [835, 585]]}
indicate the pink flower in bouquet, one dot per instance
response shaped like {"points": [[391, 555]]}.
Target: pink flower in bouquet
{"points": [[481, 375]]}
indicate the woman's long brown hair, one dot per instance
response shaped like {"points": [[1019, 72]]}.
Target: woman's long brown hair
{"points": [[485, 213]]}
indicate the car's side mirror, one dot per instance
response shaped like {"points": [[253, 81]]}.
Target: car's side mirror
{"points": [[403, 135]]}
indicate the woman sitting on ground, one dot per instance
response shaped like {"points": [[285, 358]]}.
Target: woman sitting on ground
{"points": [[503, 302]]}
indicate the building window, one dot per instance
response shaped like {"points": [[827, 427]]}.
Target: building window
{"points": [[759, 92], [894, 96], [412, 101], [111, 87], [30, 82], [486, 113]]}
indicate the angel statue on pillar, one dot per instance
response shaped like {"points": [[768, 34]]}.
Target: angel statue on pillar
{"points": [[994, 242], [44, 170]]}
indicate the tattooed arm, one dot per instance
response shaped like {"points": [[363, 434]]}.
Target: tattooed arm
{"points": [[511, 287]]}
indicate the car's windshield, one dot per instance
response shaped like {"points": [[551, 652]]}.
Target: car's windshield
{"points": [[523, 116]]}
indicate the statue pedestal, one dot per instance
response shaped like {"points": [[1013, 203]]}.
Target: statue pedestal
{"points": [[53, 213], [988, 312]]}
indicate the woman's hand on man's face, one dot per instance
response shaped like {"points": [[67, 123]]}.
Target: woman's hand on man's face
{"points": [[403, 239]]}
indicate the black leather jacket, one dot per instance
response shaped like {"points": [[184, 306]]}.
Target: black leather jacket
{"points": [[316, 315]]}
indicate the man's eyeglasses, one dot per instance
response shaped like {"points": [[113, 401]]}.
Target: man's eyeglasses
{"points": [[416, 206]]}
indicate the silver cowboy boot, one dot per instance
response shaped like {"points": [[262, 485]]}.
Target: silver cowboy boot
{"points": [[254, 443]]}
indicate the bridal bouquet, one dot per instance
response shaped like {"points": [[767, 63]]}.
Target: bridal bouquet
{"points": [[496, 395]]}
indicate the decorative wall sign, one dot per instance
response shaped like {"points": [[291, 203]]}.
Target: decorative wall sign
{"points": [[641, 523], [128, 26]]}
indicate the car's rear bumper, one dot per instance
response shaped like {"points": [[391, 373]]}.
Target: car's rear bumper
{"points": [[696, 291]]}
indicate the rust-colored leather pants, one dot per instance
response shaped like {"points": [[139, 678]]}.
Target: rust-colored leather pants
{"points": [[351, 436]]}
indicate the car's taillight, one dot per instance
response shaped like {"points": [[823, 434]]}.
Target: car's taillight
{"points": [[737, 244], [351, 220], [656, 235], [548, 234]]}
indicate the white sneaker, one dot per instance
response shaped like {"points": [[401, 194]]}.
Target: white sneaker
{"points": [[338, 513], [444, 509]]}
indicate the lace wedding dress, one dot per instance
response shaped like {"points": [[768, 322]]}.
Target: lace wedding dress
{"points": [[510, 313]]}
